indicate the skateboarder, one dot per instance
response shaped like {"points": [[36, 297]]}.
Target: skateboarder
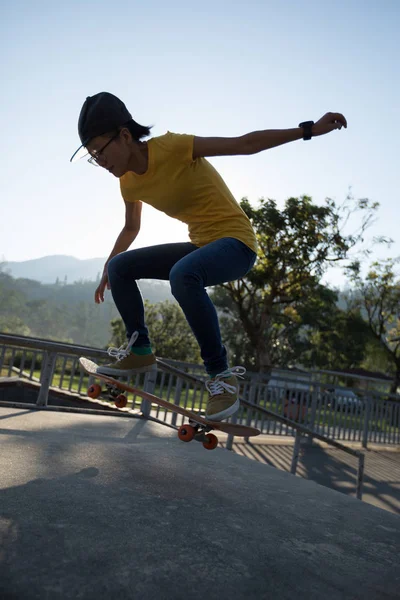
{"points": [[171, 173]]}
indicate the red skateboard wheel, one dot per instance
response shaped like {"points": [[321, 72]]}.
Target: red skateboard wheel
{"points": [[186, 433], [211, 441], [94, 391]]}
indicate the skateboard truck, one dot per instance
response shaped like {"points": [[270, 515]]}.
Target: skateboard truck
{"points": [[199, 432], [113, 391]]}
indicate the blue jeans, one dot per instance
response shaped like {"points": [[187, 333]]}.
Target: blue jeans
{"points": [[190, 270]]}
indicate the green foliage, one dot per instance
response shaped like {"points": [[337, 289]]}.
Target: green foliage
{"points": [[169, 332], [330, 337], [68, 313], [28, 360], [296, 246], [317, 333], [59, 311], [377, 295]]}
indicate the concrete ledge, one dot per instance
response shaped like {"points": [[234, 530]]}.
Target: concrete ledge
{"points": [[23, 391]]}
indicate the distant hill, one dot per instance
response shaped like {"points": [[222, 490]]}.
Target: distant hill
{"points": [[50, 268], [62, 270]]}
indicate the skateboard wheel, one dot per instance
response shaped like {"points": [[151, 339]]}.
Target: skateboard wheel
{"points": [[94, 390], [121, 401], [210, 442], [186, 433]]}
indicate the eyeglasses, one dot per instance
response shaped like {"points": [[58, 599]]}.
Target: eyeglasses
{"points": [[97, 154]]}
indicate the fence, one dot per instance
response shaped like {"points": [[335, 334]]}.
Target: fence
{"points": [[371, 416], [54, 364]]}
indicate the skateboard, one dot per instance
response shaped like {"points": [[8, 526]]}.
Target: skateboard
{"points": [[198, 428]]}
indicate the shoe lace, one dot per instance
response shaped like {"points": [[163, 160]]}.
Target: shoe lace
{"points": [[217, 385], [123, 351]]}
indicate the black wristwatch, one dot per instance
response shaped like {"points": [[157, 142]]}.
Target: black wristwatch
{"points": [[307, 133]]}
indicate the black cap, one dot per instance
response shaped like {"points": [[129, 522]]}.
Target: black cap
{"points": [[100, 114]]}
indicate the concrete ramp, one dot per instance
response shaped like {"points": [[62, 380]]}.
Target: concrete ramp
{"points": [[96, 507]]}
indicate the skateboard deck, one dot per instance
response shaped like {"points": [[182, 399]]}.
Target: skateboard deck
{"points": [[198, 426]]}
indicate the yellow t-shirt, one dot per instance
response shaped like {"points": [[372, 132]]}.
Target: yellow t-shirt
{"points": [[189, 190]]}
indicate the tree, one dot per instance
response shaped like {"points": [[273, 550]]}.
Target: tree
{"points": [[235, 339], [330, 336], [13, 325], [11, 307], [169, 332], [296, 246], [318, 334], [378, 297]]}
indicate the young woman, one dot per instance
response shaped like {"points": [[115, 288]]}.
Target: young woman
{"points": [[170, 172]]}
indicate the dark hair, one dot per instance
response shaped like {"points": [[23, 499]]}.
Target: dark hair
{"points": [[137, 131]]}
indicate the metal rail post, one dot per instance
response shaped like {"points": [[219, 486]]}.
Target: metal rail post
{"points": [[149, 385], [177, 399], [46, 376], [230, 438], [367, 415], [360, 476], [296, 452]]}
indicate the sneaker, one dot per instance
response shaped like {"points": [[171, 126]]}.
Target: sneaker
{"points": [[223, 401], [128, 363]]}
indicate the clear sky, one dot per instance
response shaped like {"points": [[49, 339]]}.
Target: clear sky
{"points": [[211, 68]]}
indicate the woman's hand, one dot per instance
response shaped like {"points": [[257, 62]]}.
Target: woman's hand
{"points": [[99, 293], [328, 123]]}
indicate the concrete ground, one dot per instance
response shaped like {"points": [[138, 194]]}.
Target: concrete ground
{"points": [[93, 506], [320, 463], [334, 468]]}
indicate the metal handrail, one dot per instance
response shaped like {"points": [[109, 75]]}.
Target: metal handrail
{"points": [[51, 346]]}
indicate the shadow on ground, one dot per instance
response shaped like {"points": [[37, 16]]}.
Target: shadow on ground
{"points": [[335, 469]]}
